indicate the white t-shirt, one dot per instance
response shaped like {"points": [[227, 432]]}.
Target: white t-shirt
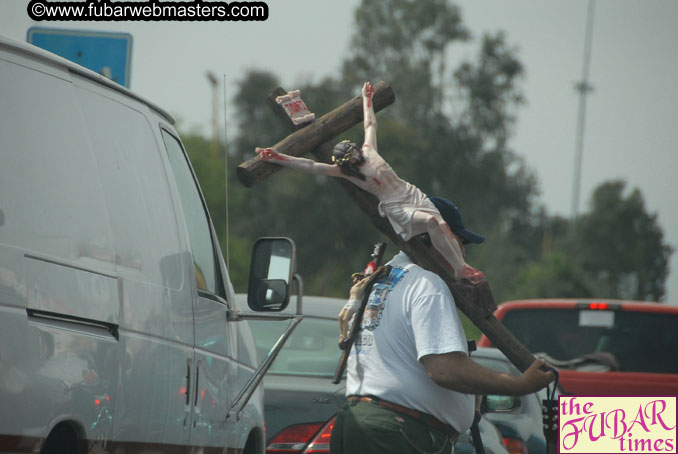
{"points": [[409, 315]]}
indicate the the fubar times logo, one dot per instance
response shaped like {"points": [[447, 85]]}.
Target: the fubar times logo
{"points": [[617, 425]]}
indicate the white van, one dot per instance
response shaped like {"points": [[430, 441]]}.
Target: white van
{"points": [[117, 326]]}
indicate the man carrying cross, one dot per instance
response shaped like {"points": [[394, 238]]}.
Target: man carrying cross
{"points": [[409, 210], [410, 385]]}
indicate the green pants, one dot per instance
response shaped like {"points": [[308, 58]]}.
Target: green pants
{"points": [[367, 428]]}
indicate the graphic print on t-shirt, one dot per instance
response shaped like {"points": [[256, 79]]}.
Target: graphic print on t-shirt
{"points": [[377, 299]]}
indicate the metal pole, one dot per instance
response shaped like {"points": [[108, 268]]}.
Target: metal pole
{"points": [[214, 83], [228, 239], [583, 88]]}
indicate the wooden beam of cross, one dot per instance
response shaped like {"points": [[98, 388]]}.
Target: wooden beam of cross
{"points": [[476, 301]]}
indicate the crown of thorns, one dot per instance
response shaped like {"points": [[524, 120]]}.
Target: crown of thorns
{"points": [[346, 157]]}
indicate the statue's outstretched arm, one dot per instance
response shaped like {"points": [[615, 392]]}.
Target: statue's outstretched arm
{"points": [[369, 118], [302, 164]]}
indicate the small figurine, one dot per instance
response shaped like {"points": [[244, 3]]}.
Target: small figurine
{"points": [[355, 297], [408, 209]]}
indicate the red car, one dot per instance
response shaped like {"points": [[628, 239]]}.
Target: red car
{"points": [[601, 347]]}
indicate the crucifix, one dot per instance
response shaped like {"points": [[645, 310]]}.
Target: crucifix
{"points": [[473, 299]]}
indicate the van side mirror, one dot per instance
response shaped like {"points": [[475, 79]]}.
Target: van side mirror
{"points": [[271, 271]]}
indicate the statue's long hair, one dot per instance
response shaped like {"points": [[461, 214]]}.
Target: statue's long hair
{"points": [[349, 158]]}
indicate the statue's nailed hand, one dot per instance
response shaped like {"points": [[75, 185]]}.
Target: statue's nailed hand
{"points": [[269, 154], [368, 90]]}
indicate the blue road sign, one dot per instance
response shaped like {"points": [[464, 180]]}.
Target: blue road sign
{"points": [[106, 53]]}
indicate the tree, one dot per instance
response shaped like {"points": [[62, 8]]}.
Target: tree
{"points": [[404, 42], [622, 246], [615, 250], [554, 276]]}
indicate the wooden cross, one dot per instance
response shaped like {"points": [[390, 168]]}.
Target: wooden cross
{"points": [[476, 301]]}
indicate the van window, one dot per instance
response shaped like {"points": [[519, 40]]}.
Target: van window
{"points": [[136, 189], [202, 247], [51, 198]]}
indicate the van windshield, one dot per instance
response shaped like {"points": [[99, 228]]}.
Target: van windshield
{"points": [[639, 341]]}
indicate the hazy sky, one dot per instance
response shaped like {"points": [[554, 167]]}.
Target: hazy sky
{"points": [[632, 115]]}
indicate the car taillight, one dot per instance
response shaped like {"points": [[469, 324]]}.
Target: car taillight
{"points": [[321, 442], [293, 439], [515, 446]]}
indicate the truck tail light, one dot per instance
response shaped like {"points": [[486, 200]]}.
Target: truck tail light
{"points": [[598, 306], [515, 446], [293, 439]]}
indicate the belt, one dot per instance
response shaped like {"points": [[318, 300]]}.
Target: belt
{"points": [[425, 418]]}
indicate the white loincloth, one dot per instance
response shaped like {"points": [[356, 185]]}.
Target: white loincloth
{"points": [[400, 209]]}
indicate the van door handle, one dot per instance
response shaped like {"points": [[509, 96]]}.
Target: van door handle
{"points": [[196, 408], [187, 406], [197, 384], [188, 382]]}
